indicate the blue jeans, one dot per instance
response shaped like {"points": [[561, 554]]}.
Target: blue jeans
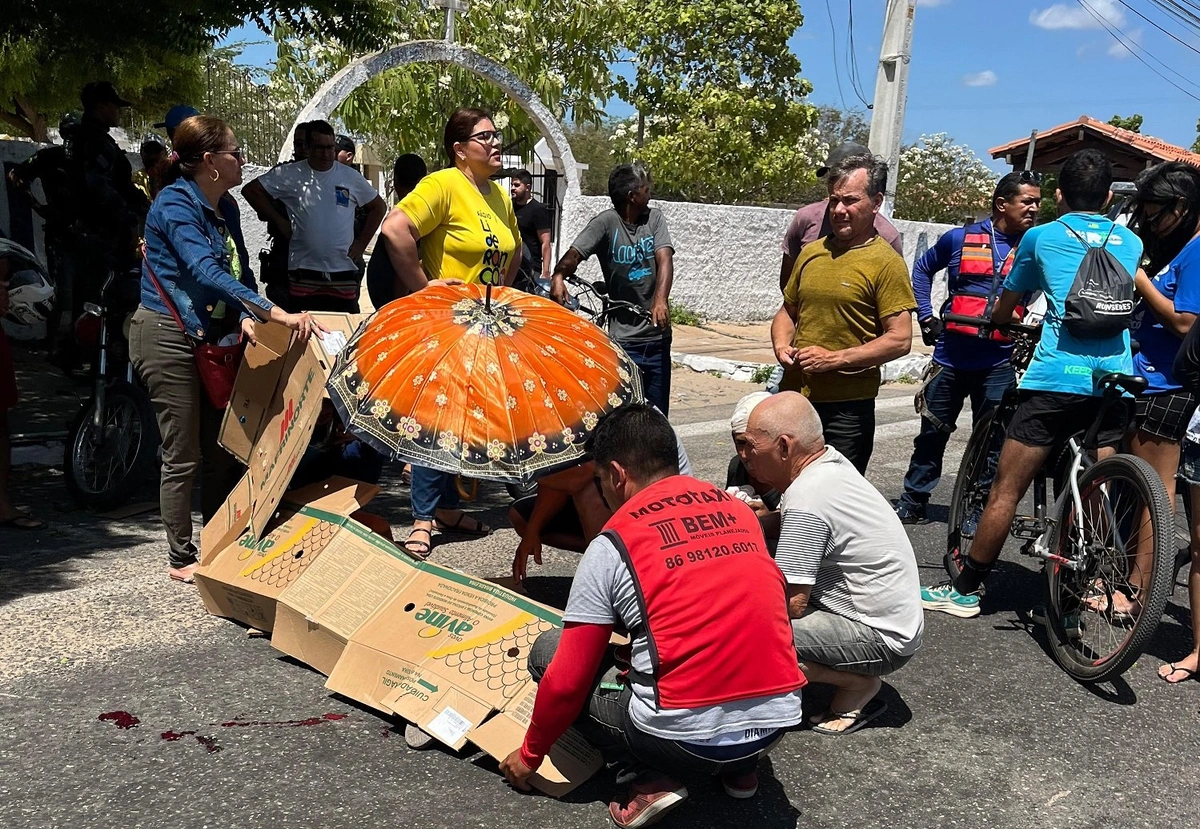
{"points": [[431, 491], [654, 359], [944, 397]]}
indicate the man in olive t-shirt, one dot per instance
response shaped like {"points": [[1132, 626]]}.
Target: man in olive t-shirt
{"points": [[847, 309]]}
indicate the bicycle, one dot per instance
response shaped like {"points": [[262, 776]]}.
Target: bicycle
{"points": [[593, 293], [1092, 539]]}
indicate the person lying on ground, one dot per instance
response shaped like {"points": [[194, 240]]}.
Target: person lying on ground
{"points": [[566, 512], [720, 683], [853, 590]]}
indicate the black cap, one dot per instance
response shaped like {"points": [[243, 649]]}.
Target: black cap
{"points": [[344, 142], [838, 153], [101, 92]]}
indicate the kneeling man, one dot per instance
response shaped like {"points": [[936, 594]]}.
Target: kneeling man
{"points": [[710, 678], [853, 592]]}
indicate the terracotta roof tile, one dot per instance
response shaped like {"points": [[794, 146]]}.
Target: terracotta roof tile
{"points": [[1146, 143]]}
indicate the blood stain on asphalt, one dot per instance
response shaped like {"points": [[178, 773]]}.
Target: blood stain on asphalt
{"points": [[121, 719], [285, 723], [209, 743]]}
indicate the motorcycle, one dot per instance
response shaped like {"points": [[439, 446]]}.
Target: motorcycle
{"points": [[112, 446]]}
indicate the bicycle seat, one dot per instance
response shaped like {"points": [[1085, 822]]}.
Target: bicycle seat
{"points": [[1131, 383]]}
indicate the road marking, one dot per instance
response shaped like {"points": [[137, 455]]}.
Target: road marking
{"points": [[704, 427]]}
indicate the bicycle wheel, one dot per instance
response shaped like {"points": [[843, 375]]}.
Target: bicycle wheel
{"points": [[1120, 545], [104, 465], [971, 487]]}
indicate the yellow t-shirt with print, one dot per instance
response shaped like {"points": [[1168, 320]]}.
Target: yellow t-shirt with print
{"points": [[464, 234], [842, 297]]}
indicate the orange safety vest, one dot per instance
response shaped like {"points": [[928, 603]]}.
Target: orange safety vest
{"points": [[977, 258]]}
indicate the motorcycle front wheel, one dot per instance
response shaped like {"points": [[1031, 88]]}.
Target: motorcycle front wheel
{"points": [[105, 463]]}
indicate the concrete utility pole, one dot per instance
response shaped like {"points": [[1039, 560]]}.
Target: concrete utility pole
{"points": [[891, 90]]}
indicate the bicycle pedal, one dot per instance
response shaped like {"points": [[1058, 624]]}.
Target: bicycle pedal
{"points": [[1027, 527]]}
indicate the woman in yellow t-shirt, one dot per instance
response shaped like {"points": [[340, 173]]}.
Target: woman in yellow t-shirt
{"points": [[468, 232]]}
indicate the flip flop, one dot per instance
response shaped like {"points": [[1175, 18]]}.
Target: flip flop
{"points": [[1175, 669], [861, 717], [22, 522], [479, 530], [418, 549]]}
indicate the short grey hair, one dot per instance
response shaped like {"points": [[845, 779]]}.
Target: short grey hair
{"points": [[876, 167]]}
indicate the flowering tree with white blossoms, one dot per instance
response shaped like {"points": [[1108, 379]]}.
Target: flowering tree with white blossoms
{"points": [[941, 181]]}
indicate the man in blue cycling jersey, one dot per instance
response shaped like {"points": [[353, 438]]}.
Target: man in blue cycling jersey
{"points": [[1058, 392], [967, 363]]}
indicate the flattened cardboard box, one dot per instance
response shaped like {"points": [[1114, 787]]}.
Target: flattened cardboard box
{"points": [[447, 651], [446, 635], [244, 579], [356, 573], [274, 407]]}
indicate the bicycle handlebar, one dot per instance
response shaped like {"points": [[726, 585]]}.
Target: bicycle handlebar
{"points": [[981, 322]]}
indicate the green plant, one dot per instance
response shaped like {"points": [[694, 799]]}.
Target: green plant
{"points": [[682, 315], [762, 374]]}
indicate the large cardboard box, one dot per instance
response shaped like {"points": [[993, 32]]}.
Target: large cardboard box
{"points": [[274, 407], [356, 573], [446, 640], [244, 579], [447, 652]]}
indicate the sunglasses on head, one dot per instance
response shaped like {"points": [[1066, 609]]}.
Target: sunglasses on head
{"points": [[1030, 177]]}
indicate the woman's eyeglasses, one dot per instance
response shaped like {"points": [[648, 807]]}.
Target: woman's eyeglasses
{"points": [[488, 137], [238, 153]]}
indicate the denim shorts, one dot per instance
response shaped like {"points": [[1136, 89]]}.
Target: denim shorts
{"points": [[1189, 462]]}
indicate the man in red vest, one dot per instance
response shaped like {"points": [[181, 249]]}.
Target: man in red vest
{"points": [[709, 680]]}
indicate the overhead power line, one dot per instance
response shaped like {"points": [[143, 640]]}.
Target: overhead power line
{"points": [[1136, 50]]}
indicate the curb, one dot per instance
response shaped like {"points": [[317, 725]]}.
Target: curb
{"points": [[908, 367]]}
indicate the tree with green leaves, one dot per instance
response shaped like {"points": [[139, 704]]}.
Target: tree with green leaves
{"points": [[722, 116], [151, 51], [1133, 123], [941, 181], [560, 48]]}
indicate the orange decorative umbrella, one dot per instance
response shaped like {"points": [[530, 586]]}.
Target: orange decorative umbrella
{"points": [[490, 383]]}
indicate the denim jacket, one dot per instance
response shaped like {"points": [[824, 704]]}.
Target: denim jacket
{"points": [[191, 259]]}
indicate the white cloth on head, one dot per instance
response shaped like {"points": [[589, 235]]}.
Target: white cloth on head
{"points": [[741, 412]]}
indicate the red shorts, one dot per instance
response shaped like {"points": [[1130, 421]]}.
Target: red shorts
{"points": [[8, 375]]}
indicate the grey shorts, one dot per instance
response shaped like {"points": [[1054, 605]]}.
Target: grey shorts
{"points": [[843, 644]]}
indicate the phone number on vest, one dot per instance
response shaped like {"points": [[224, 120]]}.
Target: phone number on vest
{"points": [[680, 559]]}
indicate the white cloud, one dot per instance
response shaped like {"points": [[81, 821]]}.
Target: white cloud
{"points": [[985, 78], [1119, 50], [1075, 16], [933, 3]]}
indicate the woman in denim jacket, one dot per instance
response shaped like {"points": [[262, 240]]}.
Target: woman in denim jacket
{"points": [[194, 246]]}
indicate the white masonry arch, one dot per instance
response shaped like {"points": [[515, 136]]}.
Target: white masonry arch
{"points": [[359, 71]]}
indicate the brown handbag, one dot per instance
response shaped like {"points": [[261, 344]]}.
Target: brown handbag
{"points": [[217, 365]]}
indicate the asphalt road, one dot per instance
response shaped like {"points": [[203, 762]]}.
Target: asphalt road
{"points": [[983, 729]]}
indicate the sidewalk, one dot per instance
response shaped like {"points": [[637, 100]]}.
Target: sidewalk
{"points": [[740, 351]]}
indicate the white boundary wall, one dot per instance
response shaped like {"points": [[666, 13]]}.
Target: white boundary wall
{"points": [[727, 257]]}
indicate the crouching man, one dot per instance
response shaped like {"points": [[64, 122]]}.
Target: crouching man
{"points": [[710, 678], [853, 591]]}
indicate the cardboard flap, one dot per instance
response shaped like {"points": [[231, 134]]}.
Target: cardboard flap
{"points": [[254, 389], [336, 494]]}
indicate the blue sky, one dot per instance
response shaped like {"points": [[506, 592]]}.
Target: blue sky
{"points": [[990, 71]]}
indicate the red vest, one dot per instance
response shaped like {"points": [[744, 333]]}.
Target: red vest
{"points": [[713, 603], [978, 259]]}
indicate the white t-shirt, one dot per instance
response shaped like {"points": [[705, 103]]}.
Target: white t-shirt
{"points": [[321, 206], [840, 535]]}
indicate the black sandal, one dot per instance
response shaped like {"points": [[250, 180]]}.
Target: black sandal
{"points": [[479, 530], [419, 550], [1176, 669]]}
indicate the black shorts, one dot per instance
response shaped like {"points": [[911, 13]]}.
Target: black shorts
{"points": [[565, 522], [1164, 415], [1050, 418]]}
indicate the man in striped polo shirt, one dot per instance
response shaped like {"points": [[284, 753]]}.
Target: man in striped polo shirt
{"points": [[853, 590]]}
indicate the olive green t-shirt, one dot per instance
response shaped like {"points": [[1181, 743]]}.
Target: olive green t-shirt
{"points": [[842, 297]]}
